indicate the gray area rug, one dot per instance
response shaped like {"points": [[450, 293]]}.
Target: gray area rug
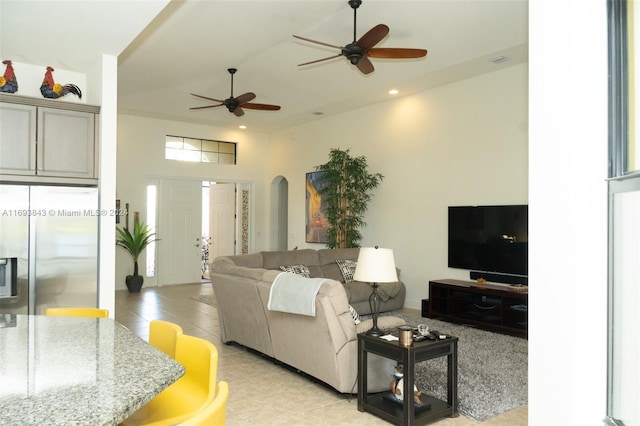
{"points": [[492, 369], [207, 299]]}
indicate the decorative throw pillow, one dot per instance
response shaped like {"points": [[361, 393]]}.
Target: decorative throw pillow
{"points": [[348, 268], [297, 269], [354, 315]]}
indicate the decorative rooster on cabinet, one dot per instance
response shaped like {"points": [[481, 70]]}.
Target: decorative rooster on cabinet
{"points": [[8, 82], [50, 89]]}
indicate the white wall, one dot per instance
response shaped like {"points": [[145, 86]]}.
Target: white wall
{"points": [[107, 71], [567, 212], [141, 160], [460, 144]]}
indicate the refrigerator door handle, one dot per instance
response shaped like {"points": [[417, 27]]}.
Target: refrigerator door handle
{"points": [[32, 267]]}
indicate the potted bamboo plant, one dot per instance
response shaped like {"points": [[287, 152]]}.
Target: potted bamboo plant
{"points": [[347, 194], [135, 243]]}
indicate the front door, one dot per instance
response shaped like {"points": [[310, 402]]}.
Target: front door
{"points": [[180, 226], [222, 223]]}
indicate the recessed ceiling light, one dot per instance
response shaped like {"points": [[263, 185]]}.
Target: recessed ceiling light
{"points": [[393, 92], [242, 126]]}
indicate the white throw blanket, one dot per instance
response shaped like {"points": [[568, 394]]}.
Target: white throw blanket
{"points": [[294, 294]]}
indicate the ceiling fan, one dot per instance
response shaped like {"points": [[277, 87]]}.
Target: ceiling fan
{"points": [[236, 105], [359, 52]]}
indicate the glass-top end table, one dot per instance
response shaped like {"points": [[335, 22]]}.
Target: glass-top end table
{"points": [[384, 404]]}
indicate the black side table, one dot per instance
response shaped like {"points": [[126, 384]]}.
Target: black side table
{"points": [[382, 405]]}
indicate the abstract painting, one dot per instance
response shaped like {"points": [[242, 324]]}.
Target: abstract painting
{"points": [[315, 221]]}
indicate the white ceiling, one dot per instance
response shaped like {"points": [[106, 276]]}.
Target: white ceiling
{"points": [[190, 44]]}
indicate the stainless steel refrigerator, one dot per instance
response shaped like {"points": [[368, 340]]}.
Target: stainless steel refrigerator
{"points": [[48, 247]]}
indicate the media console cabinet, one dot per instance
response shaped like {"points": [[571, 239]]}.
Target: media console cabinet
{"points": [[489, 306]]}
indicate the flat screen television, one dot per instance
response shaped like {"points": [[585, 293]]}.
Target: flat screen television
{"points": [[490, 239]]}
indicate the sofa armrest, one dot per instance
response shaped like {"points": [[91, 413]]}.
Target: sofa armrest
{"points": [[224, 265], [386, 322]]}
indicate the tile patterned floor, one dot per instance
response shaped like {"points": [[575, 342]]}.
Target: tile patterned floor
{"points": [[261, 392]]}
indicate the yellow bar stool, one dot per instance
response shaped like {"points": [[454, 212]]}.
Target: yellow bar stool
{"points": [[163, 335], [77, 312], [214, 414], [191, 393]]}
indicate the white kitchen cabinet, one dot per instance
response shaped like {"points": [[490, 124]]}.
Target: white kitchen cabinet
{"points": [[17, 139], [66, 143], [47, 141]]}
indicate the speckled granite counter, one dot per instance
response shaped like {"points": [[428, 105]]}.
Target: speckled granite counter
{"points": [[76, 371]]}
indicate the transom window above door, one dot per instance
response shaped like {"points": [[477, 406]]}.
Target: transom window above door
{"points": [[199, 150]]}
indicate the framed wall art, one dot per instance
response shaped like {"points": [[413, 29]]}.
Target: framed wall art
{"points": [[316, 223]]}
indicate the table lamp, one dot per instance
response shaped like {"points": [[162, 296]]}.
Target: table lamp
{"points": [[375, 265]]}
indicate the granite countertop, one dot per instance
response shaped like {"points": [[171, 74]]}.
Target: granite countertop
{"points": [[76, 371]]}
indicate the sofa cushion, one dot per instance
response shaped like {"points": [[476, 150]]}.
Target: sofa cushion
{"points": [[347, 268], [357, 290], [253, 260], [328, 257], [296, 269], [307, 257]]}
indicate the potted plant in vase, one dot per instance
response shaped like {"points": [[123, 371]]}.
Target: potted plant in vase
{"points": [[135, 243], [347, 194]]}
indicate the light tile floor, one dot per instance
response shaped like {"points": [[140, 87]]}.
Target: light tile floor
{"points": [[261, 392]]}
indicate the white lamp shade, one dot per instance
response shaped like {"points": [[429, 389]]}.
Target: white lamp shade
{"points": [[376, 265]]}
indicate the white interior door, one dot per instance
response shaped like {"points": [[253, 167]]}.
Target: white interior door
{"points": [[222, 219], [180, 224]]}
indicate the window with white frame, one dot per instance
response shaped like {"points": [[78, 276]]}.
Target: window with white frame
{"points": [[152, 205], [199, 150]]}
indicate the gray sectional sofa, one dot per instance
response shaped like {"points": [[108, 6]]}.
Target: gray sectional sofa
{"points": [[323, 346]]}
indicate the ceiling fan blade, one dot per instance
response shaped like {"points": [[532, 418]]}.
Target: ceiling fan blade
{"points": [[208, 106], [263, 107], [396, 53], [245, 97], [373, 36], [318, 42], [320, 60], [204, 97], [365, 66], [238, 112]]}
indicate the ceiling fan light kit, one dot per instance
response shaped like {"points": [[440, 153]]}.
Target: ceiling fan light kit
{"points": [[236, 105], [359, 51]]}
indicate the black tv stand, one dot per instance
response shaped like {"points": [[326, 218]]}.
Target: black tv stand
{"points": [[495, 277], [489, 306]]}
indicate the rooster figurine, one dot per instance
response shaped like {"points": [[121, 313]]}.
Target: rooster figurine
{"points": [[50, 89], [8, 82]]}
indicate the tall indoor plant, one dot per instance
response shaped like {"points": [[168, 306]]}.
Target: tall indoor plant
{"points": [[346, 196], [135, 243]]}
